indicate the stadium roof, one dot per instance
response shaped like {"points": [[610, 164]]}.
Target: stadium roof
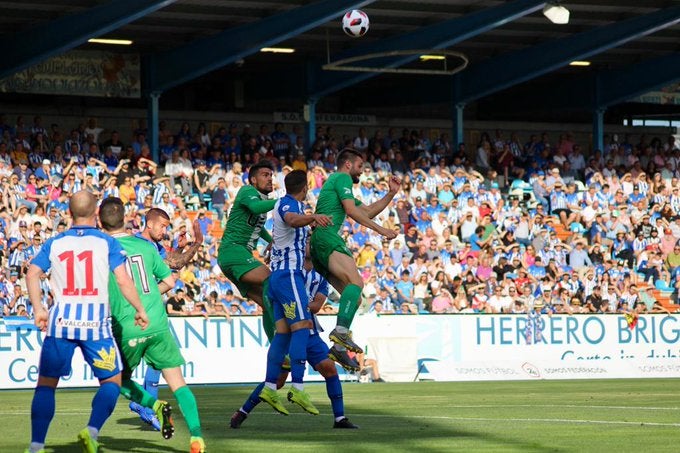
{"points": [[188, 38]]}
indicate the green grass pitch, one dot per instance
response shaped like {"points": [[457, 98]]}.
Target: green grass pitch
{"points": [[530, 416]]}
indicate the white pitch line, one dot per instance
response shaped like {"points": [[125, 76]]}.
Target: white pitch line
{"points": [[558, 406], [540, 420], [438, 417]]}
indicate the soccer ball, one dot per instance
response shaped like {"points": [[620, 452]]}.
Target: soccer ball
{"points": [[355, 23]]}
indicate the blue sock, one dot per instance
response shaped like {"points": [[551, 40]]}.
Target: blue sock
{"points": [[42, 412], [151, 379], [103, 404], [275, 355], [298, 355], [334, 391], [253, 400]]}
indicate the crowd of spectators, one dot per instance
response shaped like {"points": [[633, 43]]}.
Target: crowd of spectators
{"points": [[504, 227]]}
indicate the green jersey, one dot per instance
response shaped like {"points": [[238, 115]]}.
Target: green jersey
{"points": [[246, 219], [146, 267], [337, 187]]}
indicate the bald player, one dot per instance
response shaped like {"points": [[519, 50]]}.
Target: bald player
{"points": [[80, 262]]}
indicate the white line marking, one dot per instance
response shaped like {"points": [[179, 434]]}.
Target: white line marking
{"points": [[558, 406], [441, 417]]}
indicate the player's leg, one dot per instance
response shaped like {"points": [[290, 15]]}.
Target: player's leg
{"points": [[104, 358], [141, 398], [151, 379], [317, 355], [251, 278], [187, 404], [257, 283], [55, 361], [298, 362], [344, 269], [345, 277], [253, 400], [277, 350], [279, 346], [290, 299]]}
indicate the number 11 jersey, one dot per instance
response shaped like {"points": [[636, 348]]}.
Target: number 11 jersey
{"points": [[80, 262]]}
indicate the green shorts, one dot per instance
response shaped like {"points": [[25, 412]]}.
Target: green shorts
{"points": [[322, 245], [159, 350], [236, 263]]}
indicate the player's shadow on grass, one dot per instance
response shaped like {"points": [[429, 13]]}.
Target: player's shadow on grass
{"points": [[372, 436], [124, 444], [136, 422]]}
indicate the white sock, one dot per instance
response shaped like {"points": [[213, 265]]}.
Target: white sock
{"points": [[298, 386], [337, 419], [35, 447], [94, 432], [341, 329], [271, 385]]}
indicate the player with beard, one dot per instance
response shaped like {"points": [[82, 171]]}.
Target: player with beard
{"points": [[244, 228], [330, 254]]}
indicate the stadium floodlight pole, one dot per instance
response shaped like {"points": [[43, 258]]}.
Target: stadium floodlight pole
{"points": [[309, 114], [152, 115]]}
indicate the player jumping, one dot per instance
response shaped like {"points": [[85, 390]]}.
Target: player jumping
{"points": [[244, 228], [317, 356], [330, 254], [288, 293]]}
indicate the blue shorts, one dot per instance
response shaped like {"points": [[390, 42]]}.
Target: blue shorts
{"points": [[317, 350], [102, 356], [289, 297]]}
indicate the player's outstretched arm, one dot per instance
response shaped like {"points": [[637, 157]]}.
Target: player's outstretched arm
{"points": [[299, 220], [40, 315], [358, 214], [379, 206], [127, 287], [259, 206]]}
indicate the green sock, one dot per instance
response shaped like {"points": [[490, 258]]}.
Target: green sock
{"points": [[349, 304], [135, 392], [267, 312], [187, 404]]}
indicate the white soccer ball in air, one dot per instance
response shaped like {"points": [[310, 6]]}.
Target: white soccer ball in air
{"points": [[355, 23]]}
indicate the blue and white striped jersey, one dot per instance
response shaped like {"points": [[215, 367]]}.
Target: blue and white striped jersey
{"points": [[315, 284], [80, 262], [288, 250]]}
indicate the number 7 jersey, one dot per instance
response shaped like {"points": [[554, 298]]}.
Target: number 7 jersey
{"points": [[80, 262]]}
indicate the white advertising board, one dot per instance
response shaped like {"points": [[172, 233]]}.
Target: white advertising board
{"points": [[439, 347]]}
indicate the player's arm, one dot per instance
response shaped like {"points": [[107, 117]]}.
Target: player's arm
{"points": [[166, 284], [264, 234], [34, 295], [177, 259], [297, 220], [358, 214], [127, 288], [317, 302], [379, 206], [258, 206]]}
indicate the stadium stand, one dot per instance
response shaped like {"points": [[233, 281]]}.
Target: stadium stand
{"points": [[471, 240]]}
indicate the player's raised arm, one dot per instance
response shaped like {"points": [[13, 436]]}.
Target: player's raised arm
{"points": [[359, 215], [379, 206]]}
